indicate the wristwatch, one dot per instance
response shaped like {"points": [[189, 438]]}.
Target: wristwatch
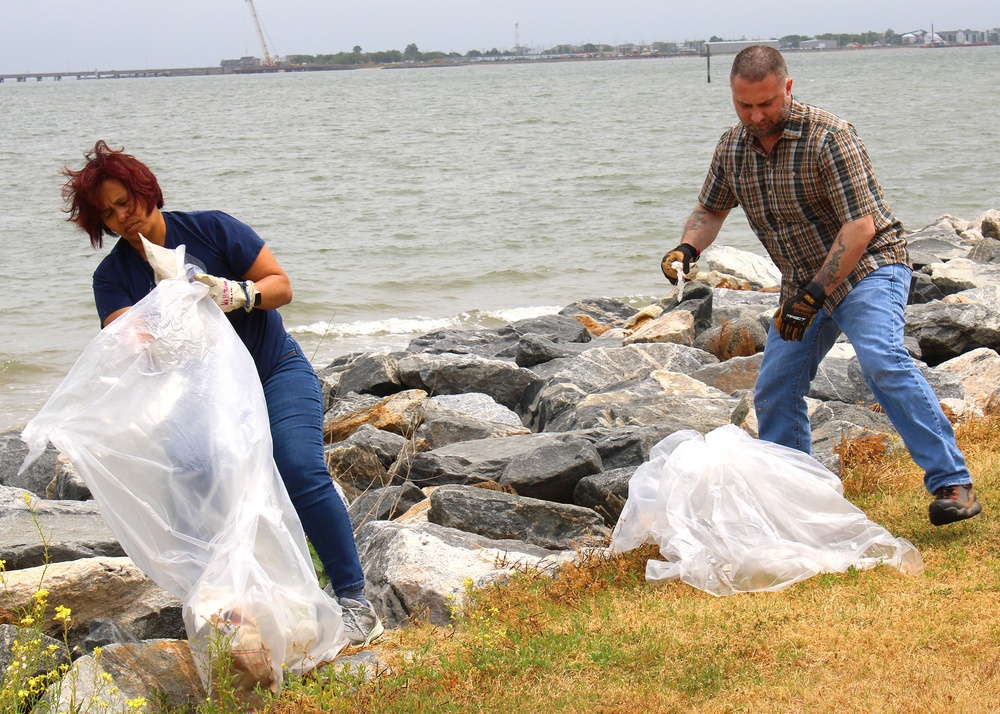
{"points": [[256, 300]]}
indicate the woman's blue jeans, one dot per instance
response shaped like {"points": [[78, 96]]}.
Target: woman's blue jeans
{"points": [[872, 317], [295, 409]]}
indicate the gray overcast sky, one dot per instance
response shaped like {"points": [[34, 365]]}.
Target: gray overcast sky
{"points": [[63, 35]]}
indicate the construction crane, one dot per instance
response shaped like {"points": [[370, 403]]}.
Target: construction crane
{"points": [[269, 61]]}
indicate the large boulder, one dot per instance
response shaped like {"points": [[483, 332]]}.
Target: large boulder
{"points": [[99, 588], [438, 374], [600, 369], [399, 413], [944, 330], [758, 270], [70, 530], [605, 492], [663, 398], [162, 671], [504, 516], [37, 476], [538, 465], [383, 504], [979, 373], [464, 417], [422, 570]]}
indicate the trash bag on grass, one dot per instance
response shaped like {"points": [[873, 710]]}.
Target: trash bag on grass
{"points": [[734, 514], [163, 416]]}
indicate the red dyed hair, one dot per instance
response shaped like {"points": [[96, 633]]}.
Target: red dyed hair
{"points": [[103, 163]]}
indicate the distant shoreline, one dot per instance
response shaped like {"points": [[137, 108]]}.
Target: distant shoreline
{"points": [[97, 74]]}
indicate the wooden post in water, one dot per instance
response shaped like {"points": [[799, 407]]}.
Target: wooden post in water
{"points": [[708, 61]]}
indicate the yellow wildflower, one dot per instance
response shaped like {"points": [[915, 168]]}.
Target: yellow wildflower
{"points": [[62, 613]]}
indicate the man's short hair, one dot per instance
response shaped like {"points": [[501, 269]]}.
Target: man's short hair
{"points": [[756, 62]]}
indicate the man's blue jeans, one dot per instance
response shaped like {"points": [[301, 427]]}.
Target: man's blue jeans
{"points": [[295, 409], [872, 317]]}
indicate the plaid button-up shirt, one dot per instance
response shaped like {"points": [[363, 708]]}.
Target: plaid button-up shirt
{"points": [[816, 178]]}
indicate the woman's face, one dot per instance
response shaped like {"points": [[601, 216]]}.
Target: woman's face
{"points": [[122, 214]]}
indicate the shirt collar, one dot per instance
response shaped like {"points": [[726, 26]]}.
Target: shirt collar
{"points": [[794, 127]]}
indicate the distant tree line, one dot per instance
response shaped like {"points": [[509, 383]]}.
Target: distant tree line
{"points": [[886, 38], [412, 54]]}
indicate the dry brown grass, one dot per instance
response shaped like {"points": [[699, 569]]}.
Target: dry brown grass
{"points": [[599, 639]]}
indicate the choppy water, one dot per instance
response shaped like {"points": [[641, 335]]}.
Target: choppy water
{"points": [[402, 201]]}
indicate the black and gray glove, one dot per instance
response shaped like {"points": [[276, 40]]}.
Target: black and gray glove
{"points": [[685, 254], [793, 318]]}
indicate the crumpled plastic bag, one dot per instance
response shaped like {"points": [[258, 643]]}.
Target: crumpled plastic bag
{"points": [[734, 514], [163, 416]]}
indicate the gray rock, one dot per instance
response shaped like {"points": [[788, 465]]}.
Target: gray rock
{"points": [[67, 485], [601, 368], [605, 492], [840, 379], [534, 349], [606, 312], [374, 373], [357, 468], [162, 672], [862, 417], [741, 337], [443, 425], [946, 330], [828, 437], [12, 452], [422, 570], [986, 251], [664, 398], [384, 504], [758, 270], [101, 588], [386, 445], [478, 406], [537, 465], [105, 632], [923, 289], [931, 249], [697, 300], [72, 530], [626, 446], [962, 274], [733, 374], [457, 374], [503, 516], [554, 328], [616, 409]]}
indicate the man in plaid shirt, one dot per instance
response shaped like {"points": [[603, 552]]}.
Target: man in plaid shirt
{"points": [[807, 187]]}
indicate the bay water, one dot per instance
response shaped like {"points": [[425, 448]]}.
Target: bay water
{"points": [[401, 201]]}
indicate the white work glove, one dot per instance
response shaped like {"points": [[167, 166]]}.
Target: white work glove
{"points": [[230, 294]]}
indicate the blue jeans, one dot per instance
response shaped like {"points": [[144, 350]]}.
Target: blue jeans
{"points": [[872, 318], [295, 409]]}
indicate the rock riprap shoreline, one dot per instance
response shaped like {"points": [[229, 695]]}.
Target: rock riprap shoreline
{"points": [[472, 454]]}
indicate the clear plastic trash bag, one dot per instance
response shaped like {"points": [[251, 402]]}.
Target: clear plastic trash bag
{"points": [[163, 416], [734, 514]]}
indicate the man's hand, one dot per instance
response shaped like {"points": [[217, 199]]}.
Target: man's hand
{"points": [[794, 317], [229, 294], [686, 254]]}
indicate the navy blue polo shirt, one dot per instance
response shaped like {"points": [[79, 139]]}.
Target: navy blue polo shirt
{"points": [[213, 240]]}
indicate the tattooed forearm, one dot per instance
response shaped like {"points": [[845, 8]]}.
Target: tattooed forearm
{"points": [[829, 275], [696, 221]]}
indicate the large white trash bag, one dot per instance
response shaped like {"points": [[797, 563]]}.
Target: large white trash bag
{"points": [[734, 514], [163, 416]]}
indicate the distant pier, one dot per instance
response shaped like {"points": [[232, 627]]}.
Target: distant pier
{"points": [[132, 73], [174, 72]]}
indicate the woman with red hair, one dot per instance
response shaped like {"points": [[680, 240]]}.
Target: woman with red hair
{"points": [[115, 194]]}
